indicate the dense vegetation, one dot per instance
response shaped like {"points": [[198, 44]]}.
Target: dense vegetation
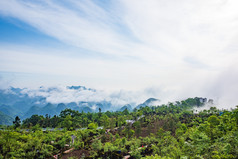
{"points": [[166, 131]]}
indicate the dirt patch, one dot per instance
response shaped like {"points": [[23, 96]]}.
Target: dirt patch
{"points": [[76, 153], [153, 128], [68, 151]]}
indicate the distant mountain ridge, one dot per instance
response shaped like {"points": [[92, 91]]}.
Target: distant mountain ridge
{"points": [[25, 103], [127, 106], [149, 102]]}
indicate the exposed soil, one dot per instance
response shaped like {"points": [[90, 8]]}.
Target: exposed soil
{"points": [[146, 129], [153, 128], [76, 153]]}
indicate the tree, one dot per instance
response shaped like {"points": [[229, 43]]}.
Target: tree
{"points": [[36, 127], [138, 128], [100, 112], [34, 119], [97, 145], [125, 112], [104, 121], [67, 122], [17, 122], [92, 126], [213, 120], [131, 133], [123, 141]]}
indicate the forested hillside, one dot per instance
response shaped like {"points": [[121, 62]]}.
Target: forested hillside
{"points": [[174, 130], [5, 119]]}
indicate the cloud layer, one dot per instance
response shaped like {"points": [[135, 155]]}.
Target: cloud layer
{"points": [[178, 48], [63, 94]]}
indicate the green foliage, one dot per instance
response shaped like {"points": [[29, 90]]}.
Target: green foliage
{"points": [[36, 128], [155, 157], [67, 122], [213, 120], [137, 128], [92, 126], [97, 145], [164, 132]]}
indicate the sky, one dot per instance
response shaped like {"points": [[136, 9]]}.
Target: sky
{"points": [[167, 49]]}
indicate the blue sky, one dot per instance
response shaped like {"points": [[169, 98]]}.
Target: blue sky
{"points": [[131, 45]]}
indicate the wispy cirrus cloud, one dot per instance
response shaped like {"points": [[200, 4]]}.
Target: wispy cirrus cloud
{"points": [[71, 25], [151, 30]]}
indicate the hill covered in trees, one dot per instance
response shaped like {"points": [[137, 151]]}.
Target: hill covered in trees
{"points": [[174, 130], [5, 119]]}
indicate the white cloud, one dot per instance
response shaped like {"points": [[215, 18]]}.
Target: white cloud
{"points": [[61, 94], [182, 47]]}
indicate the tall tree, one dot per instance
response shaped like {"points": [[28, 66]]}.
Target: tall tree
{"points": [[17, 122]]}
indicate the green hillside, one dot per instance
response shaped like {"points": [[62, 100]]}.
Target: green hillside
{"points": [[172, 131], [5, 119]]}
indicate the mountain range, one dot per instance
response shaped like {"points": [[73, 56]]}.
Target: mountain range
{"points": [[25, 103]]}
